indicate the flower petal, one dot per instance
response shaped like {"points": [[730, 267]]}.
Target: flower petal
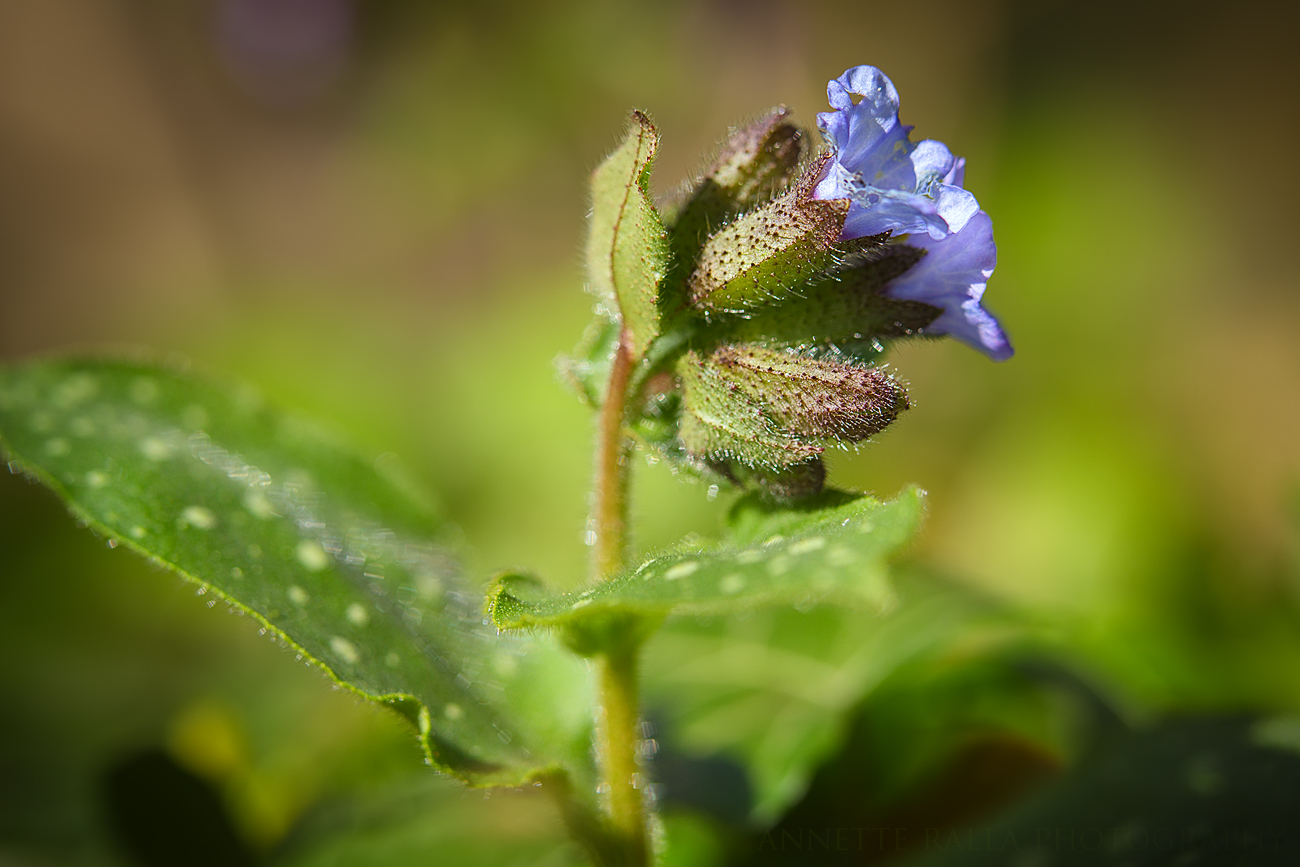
{"points": [[952, 277], [874, 211], [956, 206], [858, 131], [957, 174], [894, 185]]}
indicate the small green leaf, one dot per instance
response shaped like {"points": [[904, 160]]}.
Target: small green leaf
{"points": [[837, 551], [586, 371], [627, 248], [326, 550]]}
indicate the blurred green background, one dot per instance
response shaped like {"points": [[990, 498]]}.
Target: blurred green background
{"points": [[373, 210]]}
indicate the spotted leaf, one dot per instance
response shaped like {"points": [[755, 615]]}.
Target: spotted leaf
{"points": [[835, 547], [329, 551]]}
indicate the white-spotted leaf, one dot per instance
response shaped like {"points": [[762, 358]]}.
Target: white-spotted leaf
{"points": [[325, 548], [835, 548]]}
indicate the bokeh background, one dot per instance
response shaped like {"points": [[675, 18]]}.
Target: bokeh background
{"points": [[373, 210]]}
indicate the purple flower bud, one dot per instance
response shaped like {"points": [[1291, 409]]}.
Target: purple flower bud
{"points": [[904, 188]]}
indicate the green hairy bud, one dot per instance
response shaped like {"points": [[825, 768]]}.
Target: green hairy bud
{"points": [[842, 308], [767, 255], [754, 163], [770, 410]]}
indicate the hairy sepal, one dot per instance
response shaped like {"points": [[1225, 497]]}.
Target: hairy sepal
{"points": [[627, 246], [772, 410], [769, 254]]}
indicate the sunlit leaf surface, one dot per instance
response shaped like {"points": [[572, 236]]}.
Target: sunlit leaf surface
{"points": [[328, 550], [836, 547]]}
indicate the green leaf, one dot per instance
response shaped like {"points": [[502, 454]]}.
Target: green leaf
{"points": [[587, 369], [836, 548], [328, 551], [775, 690], [627, 248]]}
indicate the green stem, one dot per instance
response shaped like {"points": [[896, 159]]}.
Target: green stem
{"points": [[617, 746], [613, 453], [618, 730]]}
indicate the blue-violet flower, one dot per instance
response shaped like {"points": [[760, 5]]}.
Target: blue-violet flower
{"points": [[911, 189]]}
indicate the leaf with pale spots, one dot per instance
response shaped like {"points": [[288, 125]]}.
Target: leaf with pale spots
{"points": [[328, 550], [835, 547]]}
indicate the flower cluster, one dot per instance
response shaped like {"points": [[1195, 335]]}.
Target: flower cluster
{"points": [[754, 314]]}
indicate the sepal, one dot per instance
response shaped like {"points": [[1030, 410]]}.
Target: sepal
{"points": [[754, 163], [761, 416], [769, 254], [627, 246], [847, 310]]}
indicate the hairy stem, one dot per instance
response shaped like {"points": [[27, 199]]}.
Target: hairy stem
{"points": [[618, 753], [613, 449], [618, 729]]}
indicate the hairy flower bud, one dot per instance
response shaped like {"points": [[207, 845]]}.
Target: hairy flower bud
{"points": [[721, 422], [768, 254], [815, 399], [843, 309], [772, 409], [754, 163]]}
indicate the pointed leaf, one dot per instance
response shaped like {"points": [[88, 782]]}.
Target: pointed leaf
{"points": [[325, 549], [837, 548], [627, 248]]}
